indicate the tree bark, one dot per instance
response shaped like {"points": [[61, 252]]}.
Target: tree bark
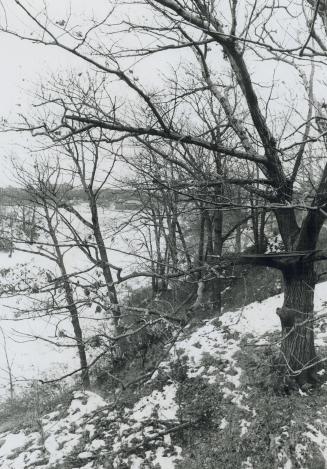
{"points": [[78, 333], [216, 287], [71, 305], [106, 270], [201, 238], [298, 354], [238, 236]]}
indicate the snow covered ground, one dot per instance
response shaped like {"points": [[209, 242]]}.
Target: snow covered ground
{"points": [[90, 429]]}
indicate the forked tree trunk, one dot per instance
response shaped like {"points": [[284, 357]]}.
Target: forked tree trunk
{"points": [[298, 354], [70, 302]]}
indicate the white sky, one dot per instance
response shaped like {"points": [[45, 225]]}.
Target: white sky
{"points": [[25, 65]]}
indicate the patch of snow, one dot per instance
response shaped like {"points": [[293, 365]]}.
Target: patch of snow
{"points": [[223, 423], [164, 461], [97, 444], [85, 455], [203, 341], [13, 442], [136, 462], [319, 438], [86, 402], [59, 436], [163, 402], [247, 464], [257, 318], [244, 426]]}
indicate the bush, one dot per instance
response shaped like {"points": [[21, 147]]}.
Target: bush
{"points": [[33, 402]]}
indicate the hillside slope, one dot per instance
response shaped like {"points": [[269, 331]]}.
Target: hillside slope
{"points": [[210, 404]]}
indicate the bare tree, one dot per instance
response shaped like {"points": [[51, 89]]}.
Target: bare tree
{"points": [[84, 159], [9, 363], [222, 42], [42, 188]]}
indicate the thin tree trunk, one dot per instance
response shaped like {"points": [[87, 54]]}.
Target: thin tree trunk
{"points": [[201, 238], [71, 306], [183, 241], [209, 224], [9, 367], [171, 240], [106, 270], [238, 239], [262, 237], [78, 334], [92, 200], [218, 247]]}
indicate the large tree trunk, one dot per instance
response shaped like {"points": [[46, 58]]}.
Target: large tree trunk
{"points": [[298, 354]]}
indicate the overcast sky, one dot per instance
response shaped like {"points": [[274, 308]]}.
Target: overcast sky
{"points": [[25, 65]]}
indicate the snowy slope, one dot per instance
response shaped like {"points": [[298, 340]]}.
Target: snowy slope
{"points": [[91, 431]]}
